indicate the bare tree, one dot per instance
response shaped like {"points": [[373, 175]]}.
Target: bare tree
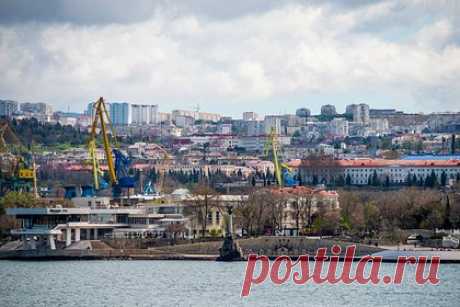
{"points": [[203, 198]]}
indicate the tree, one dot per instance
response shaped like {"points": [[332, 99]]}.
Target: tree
{"points": [[253, 214], [447, 224], [375, 179], [20, 200], [315, 180], [443, 179], [203, 198], [340, 181], [348, 180], [326, 221], [371, 218], [409, 179]]}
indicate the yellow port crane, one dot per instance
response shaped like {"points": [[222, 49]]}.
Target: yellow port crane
{"points": [[18, 172], [100, 115], [272, 145]]}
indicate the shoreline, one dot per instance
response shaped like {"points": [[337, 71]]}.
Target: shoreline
{"points": [[63, 255]]}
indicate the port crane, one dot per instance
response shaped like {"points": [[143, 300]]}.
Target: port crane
{"points": [[117, 162], [283, 173], [20, 171]]}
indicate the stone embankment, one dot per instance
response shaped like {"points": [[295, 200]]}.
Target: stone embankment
{"points": [[270, 246]]}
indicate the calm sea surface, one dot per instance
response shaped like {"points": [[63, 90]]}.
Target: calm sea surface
{"points": [[193, 283]]}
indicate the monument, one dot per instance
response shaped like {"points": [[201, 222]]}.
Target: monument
{"points": [[229, 250]]}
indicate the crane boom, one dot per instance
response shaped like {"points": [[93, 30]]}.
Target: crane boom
{"points": [[273, 146], [100, 114]]}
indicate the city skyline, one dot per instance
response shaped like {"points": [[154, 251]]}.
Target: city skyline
{"points": [[258, 56]]}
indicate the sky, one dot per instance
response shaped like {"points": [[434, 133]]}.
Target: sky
{"points": [[266, 56]]}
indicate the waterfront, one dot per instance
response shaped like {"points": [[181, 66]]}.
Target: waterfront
{"points": [[195, 283]]}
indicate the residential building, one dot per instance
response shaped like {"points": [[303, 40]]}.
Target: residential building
{"points": [[272, 122], [250, 116], [120, 113], [8, 107], [213, 117], [358, 171], [301, 203], [224, 129], [37, 107], [255, 128], [379, 126], [144, 114], [338, 127], [359, 112]]}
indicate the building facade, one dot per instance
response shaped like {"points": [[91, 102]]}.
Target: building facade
{"points": [[120, 113], [362, 171], [8, 107], [359, 112]]}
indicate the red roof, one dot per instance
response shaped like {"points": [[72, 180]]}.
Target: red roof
{"points": [[378, 163]]}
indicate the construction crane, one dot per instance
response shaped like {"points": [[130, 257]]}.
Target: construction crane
{"points": [[118, 167], [272, 146], [19, 175], [283, 173], [100, 115]]}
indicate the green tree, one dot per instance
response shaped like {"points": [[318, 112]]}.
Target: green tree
{"points": [[443, 179]]}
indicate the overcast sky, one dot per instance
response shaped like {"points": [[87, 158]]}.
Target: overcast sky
{"points": [[268, 56]]}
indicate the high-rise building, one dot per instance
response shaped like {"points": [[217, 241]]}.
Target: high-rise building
{"points": [[154, 117], [359, 112], [212, 117], [143, 114], [272, 122], [247, 116], [37, 107], [89, 109], [328, 110], [8, 107], [120, 113]]}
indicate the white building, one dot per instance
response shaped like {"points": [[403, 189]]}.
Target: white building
{"points": [[360, 112], [272, 122], [338, 127], [379, 126], [37, 107], [360, 170], [144, 114], [249, 116]]}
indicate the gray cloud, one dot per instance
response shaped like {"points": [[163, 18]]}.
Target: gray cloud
{"points": [[227, 58], [122, 11]]}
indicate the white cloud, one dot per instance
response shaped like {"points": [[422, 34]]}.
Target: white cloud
{"points": [[183, 60]]}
